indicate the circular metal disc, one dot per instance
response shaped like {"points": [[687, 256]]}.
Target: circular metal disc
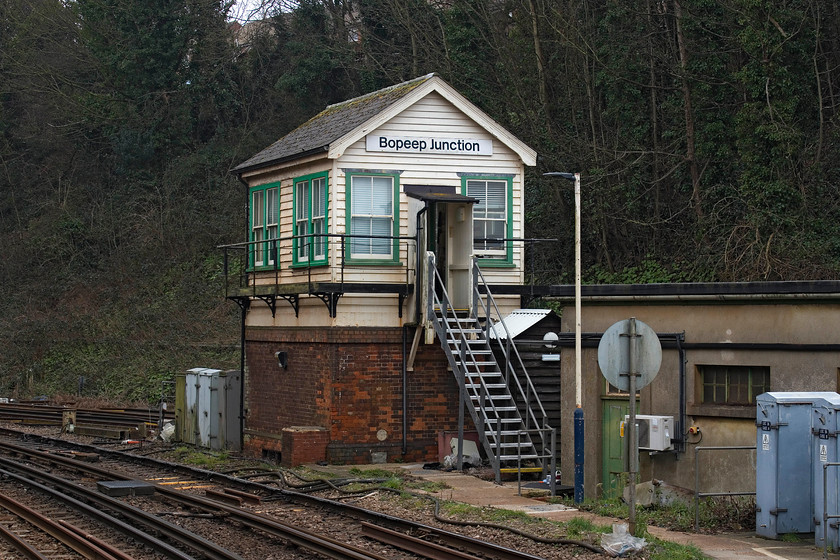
{"points": [[614, 354]]}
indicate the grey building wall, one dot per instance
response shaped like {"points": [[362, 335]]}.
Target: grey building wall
{"points": [[796, 338]]}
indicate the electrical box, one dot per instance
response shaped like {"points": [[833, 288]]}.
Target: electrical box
{"points": [[784, 469], [654, 432], [825, 425], [207, 408]]}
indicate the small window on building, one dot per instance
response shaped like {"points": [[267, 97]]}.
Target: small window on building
{"points": [[311, 219], [613, 391], [265, 212], [736, 385], [373, 218], [492, 219]]}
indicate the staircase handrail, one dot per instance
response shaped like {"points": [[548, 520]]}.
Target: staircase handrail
{"points": [[478, 279], [445, 306]]}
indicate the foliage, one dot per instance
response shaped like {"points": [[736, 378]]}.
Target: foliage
{"points": [[201, 458], [707, 134], [715, 514]]}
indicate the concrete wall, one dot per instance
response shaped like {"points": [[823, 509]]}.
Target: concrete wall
{"points": [[787, 323]]}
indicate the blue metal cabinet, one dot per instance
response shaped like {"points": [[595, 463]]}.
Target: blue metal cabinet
{"points": [[825, 422], [784, 480]]}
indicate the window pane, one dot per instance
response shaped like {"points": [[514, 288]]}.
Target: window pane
{"points": [[360, 245], [496, 199], [259, 248], [301, 201], [272, 208], [372, 207], [319, 197], [489, 216], [737, 385], [362, 195], [257, 226], [258, 209], [319, 244], [382, 195], [380, 226]]}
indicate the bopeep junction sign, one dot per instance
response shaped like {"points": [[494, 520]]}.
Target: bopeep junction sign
{"points": [[429, 145]]}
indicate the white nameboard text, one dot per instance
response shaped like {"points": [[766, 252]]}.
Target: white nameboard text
{"points": [[429, 145]]}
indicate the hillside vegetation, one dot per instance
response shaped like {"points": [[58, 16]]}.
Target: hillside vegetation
{"points": [[706, 132]]}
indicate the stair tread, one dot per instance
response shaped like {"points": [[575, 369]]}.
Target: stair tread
{"points": [[485, 385]]}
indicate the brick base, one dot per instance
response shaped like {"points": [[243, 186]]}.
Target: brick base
{"points": [[303, 444], [348, 381]]}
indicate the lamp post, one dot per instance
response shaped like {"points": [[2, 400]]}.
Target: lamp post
{"points": [[578, 423]]}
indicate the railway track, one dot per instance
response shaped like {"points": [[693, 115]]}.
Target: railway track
{"points": [[45, 414], [191, 510]]}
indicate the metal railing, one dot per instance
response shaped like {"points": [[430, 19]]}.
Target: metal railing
{"points": [[534, 420], [536, 417], [242, 267], [697, 493]]}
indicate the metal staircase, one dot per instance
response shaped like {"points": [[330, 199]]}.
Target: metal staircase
{"points": [[498, 393]]}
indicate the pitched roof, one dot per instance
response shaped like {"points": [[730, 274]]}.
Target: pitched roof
{"points": [[337, 120], [341, 124]]}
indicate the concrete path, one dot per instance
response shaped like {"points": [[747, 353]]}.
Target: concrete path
{"points": [[474, 491]]}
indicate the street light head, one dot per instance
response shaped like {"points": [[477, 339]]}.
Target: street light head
{"points": [[563, 174]]}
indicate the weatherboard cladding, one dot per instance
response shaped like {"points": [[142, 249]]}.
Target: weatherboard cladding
{"points": [[329, 125]]}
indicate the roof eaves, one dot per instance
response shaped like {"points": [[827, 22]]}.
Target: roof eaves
{"points": [[241, 170]]}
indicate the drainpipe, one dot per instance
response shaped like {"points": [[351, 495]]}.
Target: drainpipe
{"points": [[680, 338], [417, 311], [242, 378], [417, 285], [243, 312], [404, 393]]}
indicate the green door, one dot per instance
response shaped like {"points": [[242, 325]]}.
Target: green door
{"points": [[612, 467]]}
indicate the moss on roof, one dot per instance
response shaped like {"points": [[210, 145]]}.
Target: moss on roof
{"points": [[331, 124]]}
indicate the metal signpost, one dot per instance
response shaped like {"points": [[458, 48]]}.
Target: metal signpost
{"points": [[629, 355]]}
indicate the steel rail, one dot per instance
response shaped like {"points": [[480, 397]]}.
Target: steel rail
{"points": [[326, 546], [450, 538], [86, 545], [413, 544], [24, 548], [178, 534], [53, 414]]}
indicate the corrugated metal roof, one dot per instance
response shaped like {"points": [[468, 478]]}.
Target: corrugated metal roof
{"points": [[518, 322]]}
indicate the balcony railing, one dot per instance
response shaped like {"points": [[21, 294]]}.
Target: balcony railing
{"points": [[287, 267]]}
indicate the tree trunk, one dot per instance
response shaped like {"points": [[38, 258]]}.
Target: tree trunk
{"points": [[689, 115]]}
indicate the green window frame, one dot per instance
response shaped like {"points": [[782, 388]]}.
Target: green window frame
{"points": [[311, 195], [264, 202], [372, 208], [733, 385], [492, 218]]}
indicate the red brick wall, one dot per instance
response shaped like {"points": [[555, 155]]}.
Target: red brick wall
{"points": [[348, 381], [303, 445]]}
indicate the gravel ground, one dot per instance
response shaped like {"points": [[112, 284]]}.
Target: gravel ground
{"points": [[469, 521]]}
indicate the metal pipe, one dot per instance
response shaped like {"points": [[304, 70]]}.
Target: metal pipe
{"points": [[578, 391], [404, 393], [634, 441], [243, 313], [578, 439], [681, 428], [417, 291]]}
